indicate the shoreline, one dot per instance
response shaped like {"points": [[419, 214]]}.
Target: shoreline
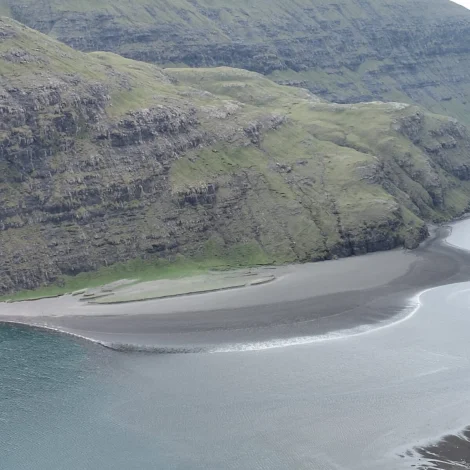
{"points": [[305, 303], [405, 315], [436, 261]]}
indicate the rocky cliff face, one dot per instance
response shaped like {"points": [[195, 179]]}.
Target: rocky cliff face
{"points": [[343, 50], [104, 159]]}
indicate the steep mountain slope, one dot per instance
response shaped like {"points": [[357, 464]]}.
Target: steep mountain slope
{"points": [[415, 51], [105, 159]]}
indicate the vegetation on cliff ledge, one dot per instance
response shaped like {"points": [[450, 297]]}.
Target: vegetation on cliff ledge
{"points": [[106, 160]]}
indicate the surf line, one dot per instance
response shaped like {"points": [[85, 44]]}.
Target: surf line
{"points": [[54, 329], [407, 313]]}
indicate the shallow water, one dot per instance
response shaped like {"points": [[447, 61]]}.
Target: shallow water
{"points": [[353, 403]]}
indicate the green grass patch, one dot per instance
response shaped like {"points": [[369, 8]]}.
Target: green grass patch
{"points": [[213, 256]]}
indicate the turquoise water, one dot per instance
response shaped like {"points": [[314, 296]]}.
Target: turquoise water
{"points": [[356, 402], [55, 400], [48, 388]]}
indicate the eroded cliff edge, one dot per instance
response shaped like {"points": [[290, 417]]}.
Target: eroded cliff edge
{"points": [[105, 159]]}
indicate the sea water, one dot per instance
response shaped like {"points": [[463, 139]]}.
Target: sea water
{"points": [[356, 402]]}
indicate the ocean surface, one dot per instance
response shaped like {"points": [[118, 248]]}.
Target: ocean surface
{"points": [[354, 402]]}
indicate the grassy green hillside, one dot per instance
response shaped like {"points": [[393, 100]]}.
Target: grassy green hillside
{"points": [[118, 167], [342, 50]]}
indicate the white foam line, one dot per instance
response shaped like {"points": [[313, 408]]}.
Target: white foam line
{"points": [[44, 326], [415, 302]]}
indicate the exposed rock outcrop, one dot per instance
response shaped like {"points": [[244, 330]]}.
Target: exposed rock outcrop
{"points": [[106, 160]]}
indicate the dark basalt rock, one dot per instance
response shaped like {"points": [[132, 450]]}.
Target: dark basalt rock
{"points": [[93, 174]]}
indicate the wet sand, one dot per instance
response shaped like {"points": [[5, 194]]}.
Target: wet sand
{"points": [[310, 299], [450, 453]]}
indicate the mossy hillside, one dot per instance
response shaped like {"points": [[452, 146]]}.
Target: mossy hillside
{"points": [[343, 50], [122, 161], [341, 138], [31, 60], [124, 87]]}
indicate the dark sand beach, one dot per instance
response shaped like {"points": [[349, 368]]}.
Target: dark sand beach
{"points": [[304, 300]]}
